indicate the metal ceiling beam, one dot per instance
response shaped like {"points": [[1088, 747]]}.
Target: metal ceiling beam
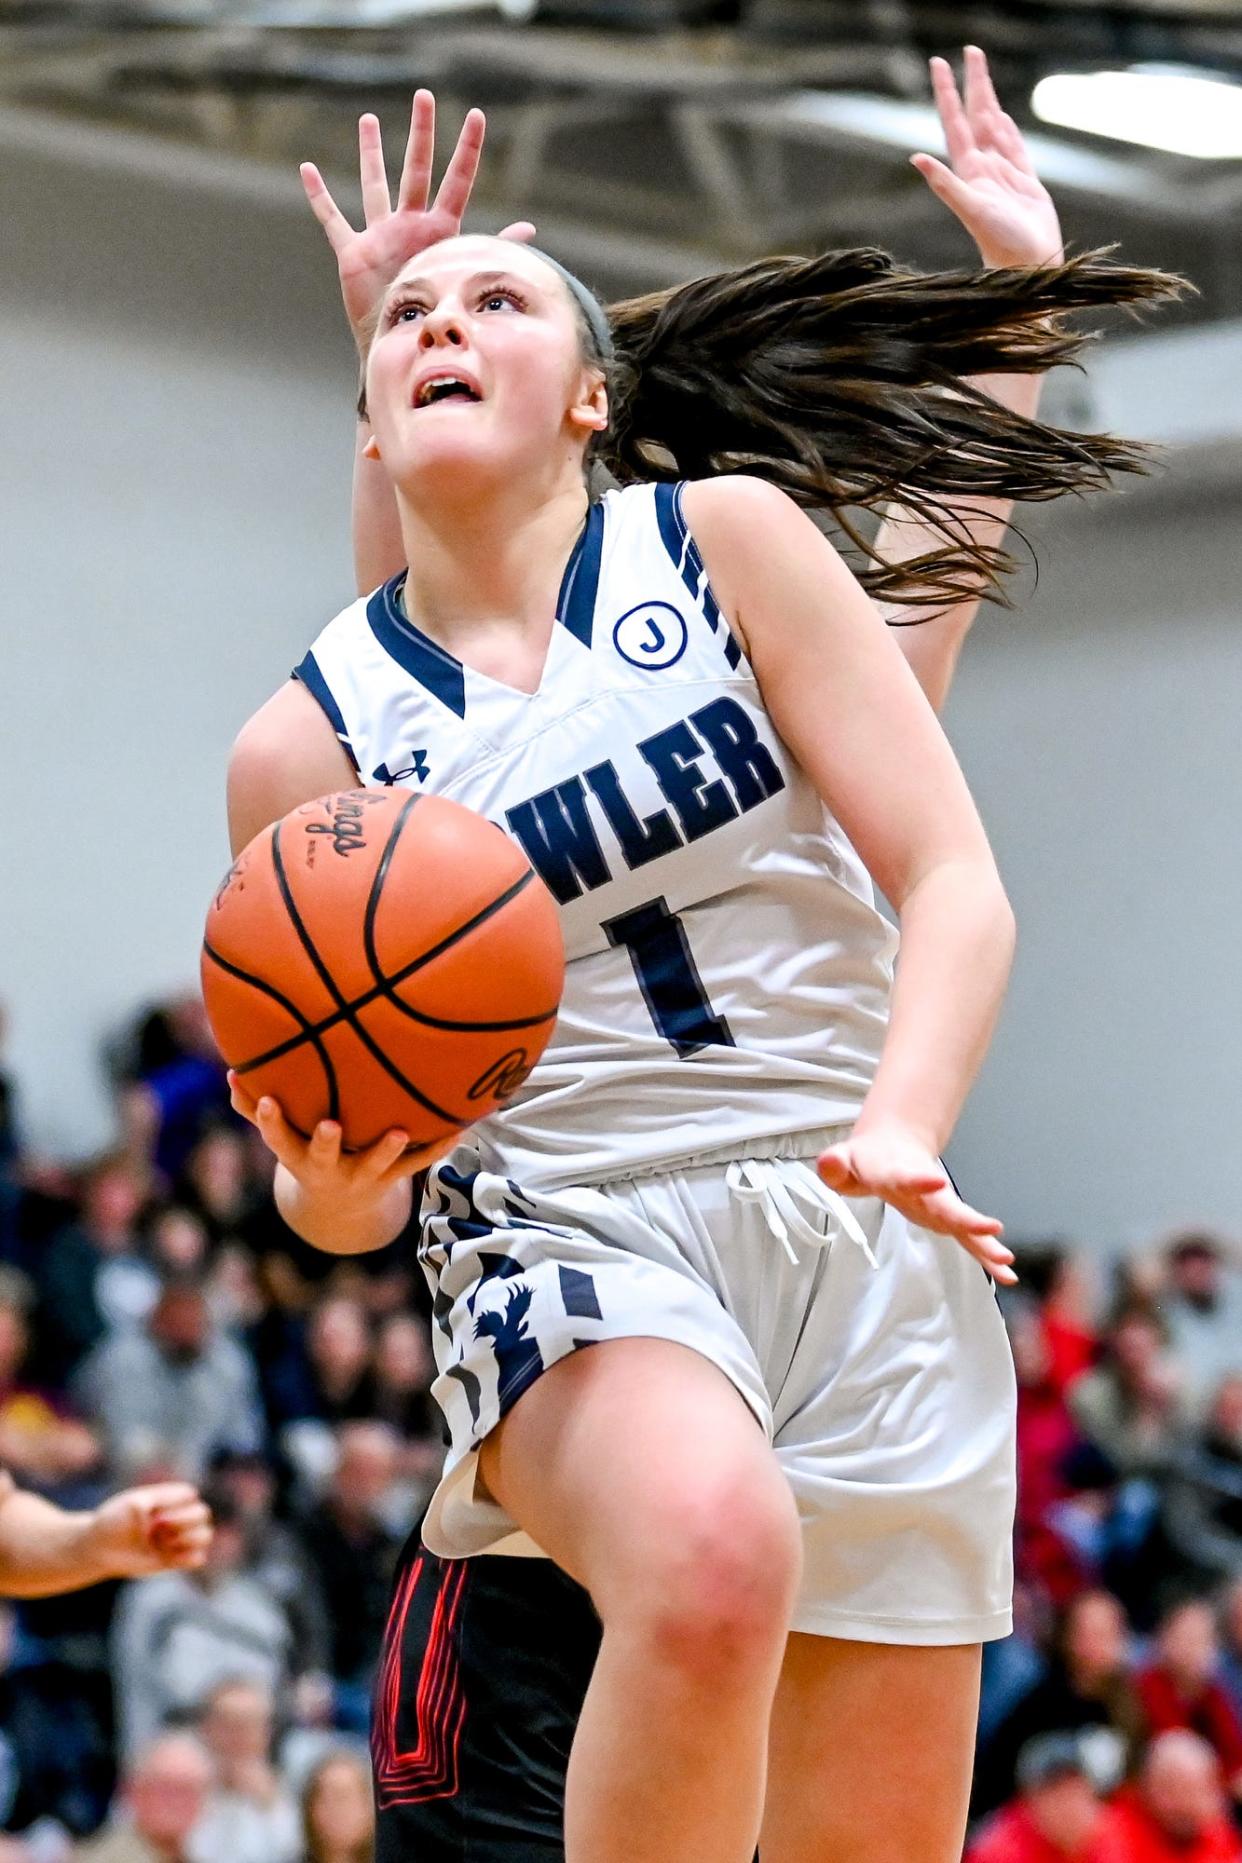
{"points": [[642, 261], [846, 120]]}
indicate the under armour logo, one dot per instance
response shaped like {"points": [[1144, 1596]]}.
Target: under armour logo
{"points": [[419, 768]]}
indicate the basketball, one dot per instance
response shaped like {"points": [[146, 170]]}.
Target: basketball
{"points": [[382, 959]]}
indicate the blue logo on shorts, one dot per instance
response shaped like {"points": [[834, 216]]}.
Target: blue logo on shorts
{"points": [[518, 1358]]}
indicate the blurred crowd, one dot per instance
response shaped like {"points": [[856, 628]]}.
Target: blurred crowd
{"points": [[158, 1320], [1111, 1721]]}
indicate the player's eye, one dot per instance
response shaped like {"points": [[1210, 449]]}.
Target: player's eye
{"points": [[404, 310], [502, 300]]}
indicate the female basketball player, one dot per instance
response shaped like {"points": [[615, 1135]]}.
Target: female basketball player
{"points": [[487, 1661], [627, 1200]]}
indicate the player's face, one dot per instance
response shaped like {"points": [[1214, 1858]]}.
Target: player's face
{"points": [[477, 365]]}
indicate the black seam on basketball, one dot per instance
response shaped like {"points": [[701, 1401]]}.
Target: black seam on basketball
{"points": [[373, 996], [309, 1033], [463, 931], [386, 986], [348, 1012], [377, 887]]}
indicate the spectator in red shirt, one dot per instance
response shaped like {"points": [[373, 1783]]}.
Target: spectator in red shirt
{"points": [[1179, 1812], [1058, 1817], [1058, 1280], [1181, 1689], [1046, 1430]]}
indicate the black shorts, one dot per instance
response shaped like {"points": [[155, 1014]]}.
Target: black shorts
{"points": [[484, 1667]]}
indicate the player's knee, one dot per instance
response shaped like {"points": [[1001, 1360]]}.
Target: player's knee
{"points": [[725, 1590]]}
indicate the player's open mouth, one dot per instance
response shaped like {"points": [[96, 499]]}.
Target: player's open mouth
{"points": [[446, 387]]}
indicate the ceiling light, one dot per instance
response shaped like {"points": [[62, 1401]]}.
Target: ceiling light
{"points": [[1184, 112]]}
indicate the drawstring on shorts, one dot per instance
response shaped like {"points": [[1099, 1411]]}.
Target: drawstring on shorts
{"points": [[761, 1181]]}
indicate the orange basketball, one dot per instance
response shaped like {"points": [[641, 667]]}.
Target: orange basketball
{"points": [[382, 959]]}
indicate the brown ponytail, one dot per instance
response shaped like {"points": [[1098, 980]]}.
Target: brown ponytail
{"points": [[839, 379]]}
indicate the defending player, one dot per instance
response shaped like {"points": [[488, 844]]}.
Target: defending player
{"points": [[627, 1200]]}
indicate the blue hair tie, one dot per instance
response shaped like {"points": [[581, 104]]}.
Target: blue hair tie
{"points": [[588, 303]]}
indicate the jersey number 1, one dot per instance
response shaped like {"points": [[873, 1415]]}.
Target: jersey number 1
{"points": [[672, 988]]}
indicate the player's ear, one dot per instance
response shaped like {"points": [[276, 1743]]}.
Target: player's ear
{"points": [[371, 449], [590, 410]]}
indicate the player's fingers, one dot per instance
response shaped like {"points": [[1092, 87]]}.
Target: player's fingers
{"points": [[183, 1548], [982, 103], [279, 1136], [324, 208], [414, 187], [521, 230], [241, 1101], [992, 1256], [169, 1522], [1012, 144], [166, 1496], [979, 1235], [416, 1160], [376, 202], [945, 185], [957, 133], [171, 1538], [379, 1159], [836, 1167], [945, 1211], [323, 1150], [453, 194]]}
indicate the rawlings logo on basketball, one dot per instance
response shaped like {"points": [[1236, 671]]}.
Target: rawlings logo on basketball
{"points": [[503, 1077], [234, 873], [345, 826]]}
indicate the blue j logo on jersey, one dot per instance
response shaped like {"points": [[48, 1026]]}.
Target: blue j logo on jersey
{"points": [[652, 636]]}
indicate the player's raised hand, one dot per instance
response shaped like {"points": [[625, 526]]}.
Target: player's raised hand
{"points": [[162, 1528], [894, 1164], [990, 181], [370, 257]]}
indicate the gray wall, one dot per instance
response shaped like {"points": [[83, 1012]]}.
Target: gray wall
{"points": [[1099, 728], [173, 483], [174, 468]]}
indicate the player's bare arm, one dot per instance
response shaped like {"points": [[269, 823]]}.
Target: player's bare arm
{"points": [[846, 703], [990, 185], [46, 1550]]}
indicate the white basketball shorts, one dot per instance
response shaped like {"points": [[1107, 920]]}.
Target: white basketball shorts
{"points": [[872, 1353]]}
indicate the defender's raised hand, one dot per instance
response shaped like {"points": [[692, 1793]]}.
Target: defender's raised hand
{"points": [[370, 257], [990, 182]]}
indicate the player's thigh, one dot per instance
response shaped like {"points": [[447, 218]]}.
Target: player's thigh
{"points": [[637, 1465], [872, 1746]]}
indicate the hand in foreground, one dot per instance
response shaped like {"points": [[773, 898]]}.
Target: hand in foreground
{"points": [[325, 1172], [990, 183], [891, 1163], [369, 258], [162, 1528]]}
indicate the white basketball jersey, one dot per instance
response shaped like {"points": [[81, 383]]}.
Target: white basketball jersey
{"points": [[728, 972]]}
